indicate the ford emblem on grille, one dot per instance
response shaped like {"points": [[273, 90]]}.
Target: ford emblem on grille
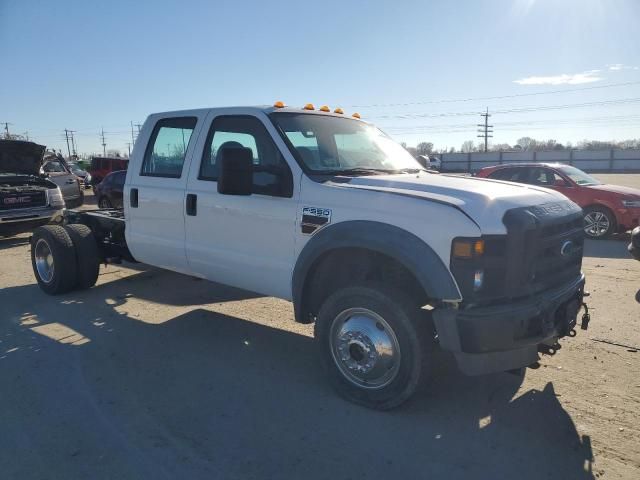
{"points": [[568, 248]]}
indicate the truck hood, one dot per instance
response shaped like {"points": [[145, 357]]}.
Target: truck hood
{"points": [[621, 189], [484, 201], [20, 157]]}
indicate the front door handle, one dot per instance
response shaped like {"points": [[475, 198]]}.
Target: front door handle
{"points": [[133, 198], [192, 204]]}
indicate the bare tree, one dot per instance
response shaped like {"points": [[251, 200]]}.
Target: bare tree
{"points": [[468, 146], [424, 148], [526, 143]]}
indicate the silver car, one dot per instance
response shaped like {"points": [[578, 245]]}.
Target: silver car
{"points": [[69, 183]]}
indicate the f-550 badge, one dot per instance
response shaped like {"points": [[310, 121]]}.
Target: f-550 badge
{"points": [[314, 219]]}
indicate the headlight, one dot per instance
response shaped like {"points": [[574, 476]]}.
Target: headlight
{"points": [[87, 178], [55, 198], [631, 203]]}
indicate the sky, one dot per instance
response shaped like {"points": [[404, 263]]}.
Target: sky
{"points": [[421, 70]]}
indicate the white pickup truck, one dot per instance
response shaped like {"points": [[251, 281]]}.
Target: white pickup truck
{"points": [[388, 260]]}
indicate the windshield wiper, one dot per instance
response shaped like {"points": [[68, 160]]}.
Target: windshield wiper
{"points": [[356, 171]]}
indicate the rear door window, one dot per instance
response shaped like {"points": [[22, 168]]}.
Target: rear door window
{"points": [[516, 174], [167, 147]]}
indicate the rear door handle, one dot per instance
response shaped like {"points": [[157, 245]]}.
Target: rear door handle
{"points": [[192, 204], [133, 198]]}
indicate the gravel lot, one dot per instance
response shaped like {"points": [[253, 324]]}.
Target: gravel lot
{"points": [[157, 375]]}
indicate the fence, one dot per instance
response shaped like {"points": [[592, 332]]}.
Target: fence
{"points": [[613, 160]]}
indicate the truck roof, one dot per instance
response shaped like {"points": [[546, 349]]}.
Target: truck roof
{"points": [[252, 109]]}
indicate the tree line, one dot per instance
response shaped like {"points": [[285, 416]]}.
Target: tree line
{"points": [[526, 144]]}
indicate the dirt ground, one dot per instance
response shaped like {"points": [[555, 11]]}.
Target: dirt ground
{"points": [[157, 375]]}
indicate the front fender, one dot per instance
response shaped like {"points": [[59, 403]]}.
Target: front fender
{"points": [[404, 247]]}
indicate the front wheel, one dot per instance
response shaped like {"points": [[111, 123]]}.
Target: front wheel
{"points": [[599, 222], [373, 344]]}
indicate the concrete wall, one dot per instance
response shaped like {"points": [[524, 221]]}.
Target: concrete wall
{"points": [[587, 160]]}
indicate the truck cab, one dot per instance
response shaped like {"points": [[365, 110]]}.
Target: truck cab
{"points": [[388, 260]]}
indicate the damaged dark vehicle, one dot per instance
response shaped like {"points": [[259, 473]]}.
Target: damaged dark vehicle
{"points": [[28, 199]]}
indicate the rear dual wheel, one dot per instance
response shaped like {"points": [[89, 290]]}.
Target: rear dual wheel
{"points": [[64, 258]]}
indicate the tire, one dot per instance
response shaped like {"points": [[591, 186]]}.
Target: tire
{"points": [[53, 259], [352, 324], [599, 222], [103, 202], [87, 255]]}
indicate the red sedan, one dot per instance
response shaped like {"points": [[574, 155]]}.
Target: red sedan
{"points": [[607, 208]]}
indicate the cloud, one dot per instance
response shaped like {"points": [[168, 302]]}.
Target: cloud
{"points": [[589, 76], [616, 67]]}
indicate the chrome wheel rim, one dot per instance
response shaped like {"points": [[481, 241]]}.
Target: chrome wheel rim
{"points": [[365, 348], [44, 261], [596, 224]]}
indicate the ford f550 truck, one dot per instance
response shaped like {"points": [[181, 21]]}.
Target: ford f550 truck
{"points": [[388, 260]]}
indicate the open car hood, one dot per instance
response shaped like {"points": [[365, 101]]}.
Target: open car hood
{"points": [[20, 157]]}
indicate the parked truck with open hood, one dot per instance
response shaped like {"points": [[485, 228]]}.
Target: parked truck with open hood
{"points": [[388, 260], [28, 199]]}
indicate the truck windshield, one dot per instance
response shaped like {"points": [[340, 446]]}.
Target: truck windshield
{"points": [[579, 176], [333, 145]]}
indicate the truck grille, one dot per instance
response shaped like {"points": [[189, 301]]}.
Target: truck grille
{"points": [[17, 200], [544, 247], [557, 257]]}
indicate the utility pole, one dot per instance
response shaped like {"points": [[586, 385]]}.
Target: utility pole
{"points": [[26, 135], [73, 142], [133, 138], [486, 129], [66, 136], [104, 145], [6, 129], [129, 148]]}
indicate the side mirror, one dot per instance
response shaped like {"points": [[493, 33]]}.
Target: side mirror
{"points": [[235, 176]]}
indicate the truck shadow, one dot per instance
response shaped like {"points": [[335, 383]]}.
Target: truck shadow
{"points": [[14, 241], [207, 394]]}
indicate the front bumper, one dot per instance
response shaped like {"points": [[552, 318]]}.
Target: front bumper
{"points": [[25, 220], [628, 218], [507, 336], [634, 245]]}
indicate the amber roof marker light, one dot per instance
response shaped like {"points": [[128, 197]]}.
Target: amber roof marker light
{"points": [[356, 115], [338, 111], [324, 108], [279, 104], [309, 106]]}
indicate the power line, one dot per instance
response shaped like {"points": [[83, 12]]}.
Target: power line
{"points": [[582, 120], [410, 116], [497, 97]]}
